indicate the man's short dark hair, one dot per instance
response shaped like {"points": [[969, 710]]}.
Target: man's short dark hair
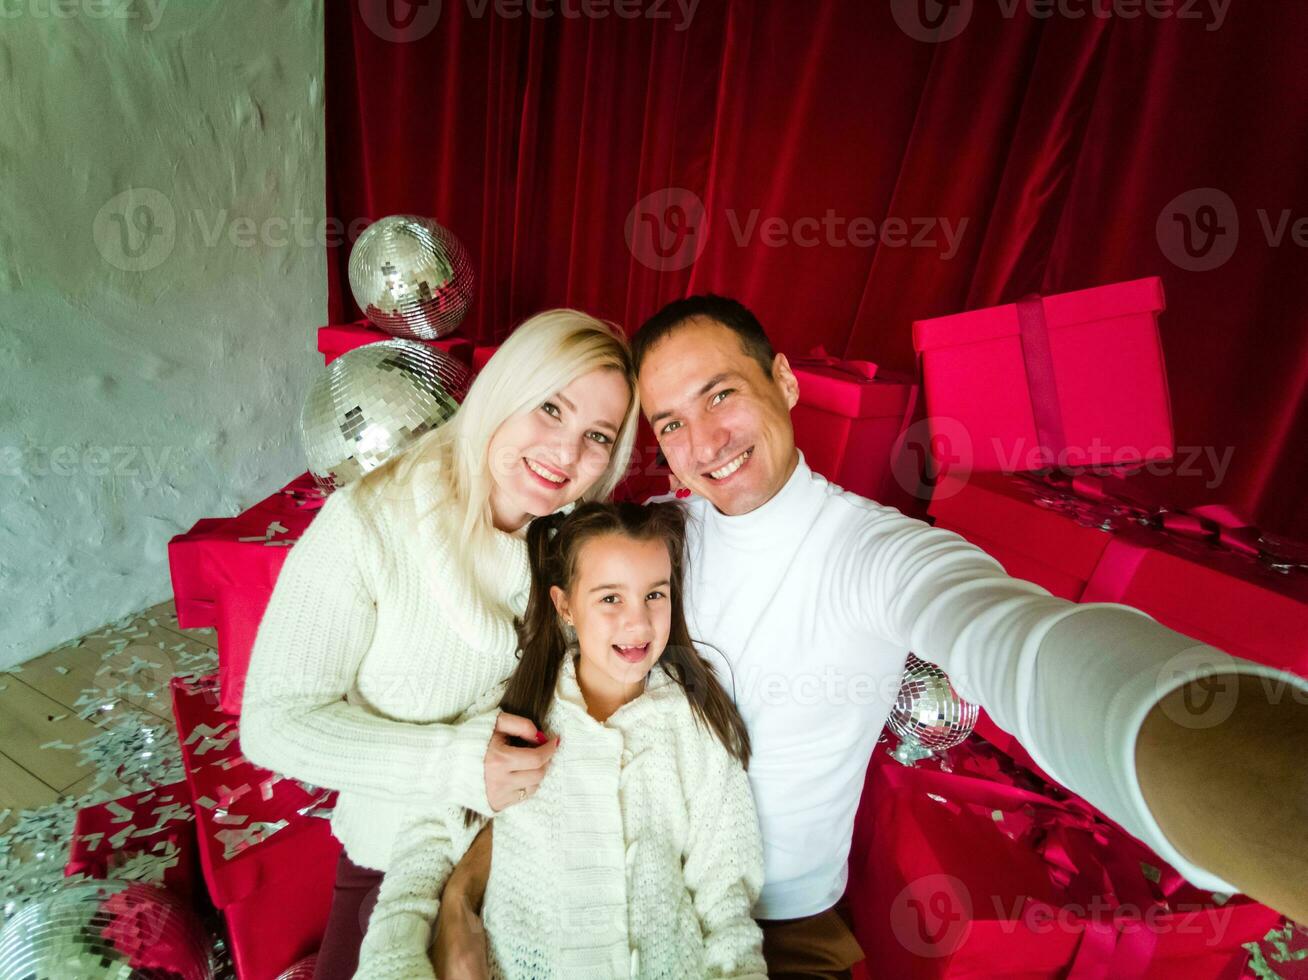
{"points": [[732, 314]]}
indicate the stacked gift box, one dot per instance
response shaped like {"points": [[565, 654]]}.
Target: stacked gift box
{"points": [[266, 850], [1072, 386], [989, 868]]}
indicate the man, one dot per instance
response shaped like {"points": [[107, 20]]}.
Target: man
{"points": [[814, 596]]}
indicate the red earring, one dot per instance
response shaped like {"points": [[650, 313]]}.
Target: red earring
{"points": [[683, 493]]}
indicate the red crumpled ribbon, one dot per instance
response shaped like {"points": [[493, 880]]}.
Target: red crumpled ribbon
{"points": [[1073, 839]]}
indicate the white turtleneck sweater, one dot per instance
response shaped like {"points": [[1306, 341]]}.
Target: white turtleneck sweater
{"points": [[815, 599], [370, 650], [638, 856]]}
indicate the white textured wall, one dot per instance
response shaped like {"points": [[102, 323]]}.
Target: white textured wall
{"points": [[161, 274]]}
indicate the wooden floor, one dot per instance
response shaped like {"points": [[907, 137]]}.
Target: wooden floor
{"points": [[51, 703]]}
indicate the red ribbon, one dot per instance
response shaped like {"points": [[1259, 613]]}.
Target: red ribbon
{"points": [[1042, 385]]}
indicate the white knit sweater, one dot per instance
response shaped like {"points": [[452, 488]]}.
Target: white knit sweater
{"points": [[369, 651], [639, 856]]}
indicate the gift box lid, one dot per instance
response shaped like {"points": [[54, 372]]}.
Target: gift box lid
{"points": [[335, 339], [1081, 306], [843, 389]]}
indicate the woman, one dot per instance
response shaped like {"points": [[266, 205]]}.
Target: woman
{"points": [[640, 855], [394, 612]]}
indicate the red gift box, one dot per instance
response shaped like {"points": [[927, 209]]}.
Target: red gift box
{"points": [[1053, 535], [1186, 573], [849, 417], [480, 355], [228, 567], [1071, 379], [985, 871], [267, 855], [335, 339], [147, 836], [192, 591]]}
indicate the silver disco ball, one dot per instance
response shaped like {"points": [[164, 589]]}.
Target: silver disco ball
{"points": [[106, 930], [928, 715], [411, 277], [372, 402], [303, 970]]}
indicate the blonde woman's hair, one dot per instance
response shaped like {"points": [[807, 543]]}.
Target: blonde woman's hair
{"points": [[546, 353]]}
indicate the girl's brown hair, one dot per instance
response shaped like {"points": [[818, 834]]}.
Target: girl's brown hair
{"points": [[554, 545]]}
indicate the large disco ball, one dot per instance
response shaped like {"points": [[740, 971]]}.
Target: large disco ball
{"points": [[106, 930], [928, 715], [303, 970], [411, 277], [374, 401]]}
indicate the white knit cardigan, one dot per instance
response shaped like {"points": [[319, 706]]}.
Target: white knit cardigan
{"points": [[638, 856], [370, 650]]}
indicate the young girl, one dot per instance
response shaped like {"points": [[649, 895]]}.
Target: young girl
{"points": [[639, 854], [394, 612]]}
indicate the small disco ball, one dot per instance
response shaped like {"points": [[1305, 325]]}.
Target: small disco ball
{"points": [[303, 970], [928, 715], [106, 930], [372, 402], [411, 277]]}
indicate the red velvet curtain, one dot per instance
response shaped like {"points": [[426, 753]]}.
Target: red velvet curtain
{"points": [[854, 177]]}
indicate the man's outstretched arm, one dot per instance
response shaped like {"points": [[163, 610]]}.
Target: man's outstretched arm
{"points": [[1077, 683], [459, 948]]}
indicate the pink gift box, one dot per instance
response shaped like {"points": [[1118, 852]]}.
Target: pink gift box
{"points": [[266, 849], [155, 825], [335, 339], [1220, 596], [985, 871], [1071, 379], [1234, 602], [228, 567], [848, 420]]}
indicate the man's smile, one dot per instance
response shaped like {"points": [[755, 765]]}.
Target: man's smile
{"points": [[722, 472]]}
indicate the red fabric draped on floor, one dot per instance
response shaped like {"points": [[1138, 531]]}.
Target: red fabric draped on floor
{"points": [[1028, 152]]}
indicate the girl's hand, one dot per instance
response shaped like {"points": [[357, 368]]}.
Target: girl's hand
{"points": [[514, 773]]}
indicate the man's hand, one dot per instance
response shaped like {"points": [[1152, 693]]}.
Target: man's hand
{"points": [[1221, 762], [459, 950], [513, 773]]}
